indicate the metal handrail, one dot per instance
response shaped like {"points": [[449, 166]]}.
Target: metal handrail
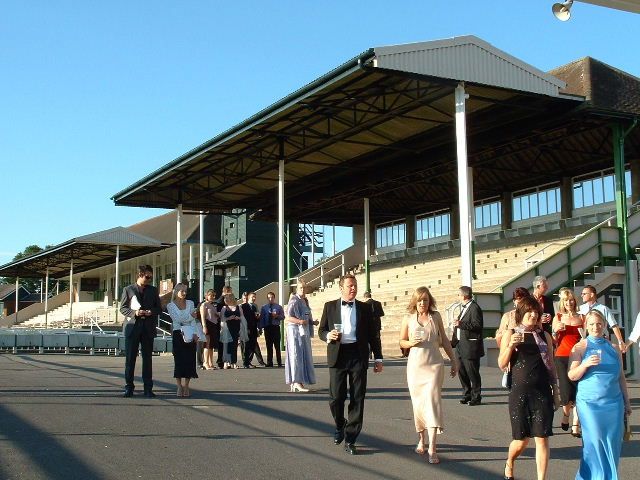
{"points": [[528, 259]]}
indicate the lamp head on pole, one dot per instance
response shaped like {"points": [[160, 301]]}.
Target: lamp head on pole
{"points": [[562, 11]]}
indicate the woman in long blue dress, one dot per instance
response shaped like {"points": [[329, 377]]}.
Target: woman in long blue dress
{"points": [[602, 400], [298, 365]]}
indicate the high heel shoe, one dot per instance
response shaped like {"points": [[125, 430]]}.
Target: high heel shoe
{"points": [[296, 387], [576, 432], [565, 425], [510, 467]]}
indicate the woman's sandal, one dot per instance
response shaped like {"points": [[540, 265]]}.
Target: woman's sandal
{"points": [[510, 467], [179, 392], [565, 425], [420, 448], [433, 459], [576, 432]]}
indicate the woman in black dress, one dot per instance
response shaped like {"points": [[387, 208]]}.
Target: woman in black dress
{"points": [[234, 328], [528, 350]]}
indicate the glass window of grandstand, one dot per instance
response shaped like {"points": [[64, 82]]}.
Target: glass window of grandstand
{"points": [[390, 235], [536, 203], [433, 227], [488, 214], [598, 189]]}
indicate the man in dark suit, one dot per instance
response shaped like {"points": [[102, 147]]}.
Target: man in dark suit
{"points": [[467, 338], [348, 358], [140, 305], [376, 308], [540, 289]]}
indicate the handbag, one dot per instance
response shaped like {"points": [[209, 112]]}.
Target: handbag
{"points": [[188, 331], [507, 379]]}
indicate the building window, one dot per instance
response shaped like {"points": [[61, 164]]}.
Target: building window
{"points": [[597, 190], [389, 234], [433, 225], [243, 271], [536, 203], [488, 214]]}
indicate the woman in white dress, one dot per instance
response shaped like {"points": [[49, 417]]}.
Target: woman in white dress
{"points": [[423, 333], [183, 314]]}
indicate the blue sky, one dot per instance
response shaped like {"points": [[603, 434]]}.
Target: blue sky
{"points": [[95, 95]]}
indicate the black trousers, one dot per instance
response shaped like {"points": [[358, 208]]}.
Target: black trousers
{"points": [[137, 338], [469, 373], [272, 339], [349, 367], [251, 348]]}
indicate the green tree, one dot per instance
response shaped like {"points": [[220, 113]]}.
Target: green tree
{"points": [[31, 284]]}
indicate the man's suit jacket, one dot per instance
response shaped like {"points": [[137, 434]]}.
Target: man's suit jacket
{"points": [[378, 312], [366, 335], [150, 301], [471, 345], [548, 308]]}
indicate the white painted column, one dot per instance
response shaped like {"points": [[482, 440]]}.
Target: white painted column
{"points": [[313, 244], [463, 187], [41, 292], [201, 260], [46, 299], [281, 238], [17, 296], [154, 265], [58, 288], [178, 244], [367, 228], [116, 287], [71, 288], [333, 240]]}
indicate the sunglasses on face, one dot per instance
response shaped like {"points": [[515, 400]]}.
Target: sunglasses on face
{"points": [[148, 277]]}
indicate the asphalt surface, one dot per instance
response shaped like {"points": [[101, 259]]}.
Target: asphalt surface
{"points": [[62, 417]]}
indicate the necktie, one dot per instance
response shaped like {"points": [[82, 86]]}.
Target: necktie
{"points": [[349, 304]]}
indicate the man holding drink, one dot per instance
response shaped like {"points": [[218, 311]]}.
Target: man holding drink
{"points": [[540, 289], [348, 328]]}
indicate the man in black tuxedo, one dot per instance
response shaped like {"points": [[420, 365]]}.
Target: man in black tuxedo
{"points": [[348, 358], [140, 305], [467, 339]]}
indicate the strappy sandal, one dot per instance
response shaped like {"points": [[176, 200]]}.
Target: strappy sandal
{"points": [[420, 448], [433, 459]]}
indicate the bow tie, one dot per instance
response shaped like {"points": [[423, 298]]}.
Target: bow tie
{"points": [[349, 304]]}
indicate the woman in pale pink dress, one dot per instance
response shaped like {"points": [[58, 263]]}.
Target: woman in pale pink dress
{"points": [[423, 333]]}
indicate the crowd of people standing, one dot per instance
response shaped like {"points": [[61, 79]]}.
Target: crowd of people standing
{"points": [[550, 359]]}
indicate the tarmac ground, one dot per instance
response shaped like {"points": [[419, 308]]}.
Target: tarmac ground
{"points": [[62, 417]]}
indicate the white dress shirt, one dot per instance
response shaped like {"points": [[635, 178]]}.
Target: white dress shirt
{"points": [[603, 309], [348, 316]]}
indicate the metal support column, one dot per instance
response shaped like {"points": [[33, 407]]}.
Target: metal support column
{"points": [[46, 299], [367, 233], [333, 239], [71, 295], [313, 245], [466, 255], [178, 244], [190, 274], [281, 237], [116, 281], [201, 260], [17, 296]]}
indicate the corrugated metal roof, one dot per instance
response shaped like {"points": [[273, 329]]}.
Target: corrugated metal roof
{"points": [[470, 59], [119, 236]]}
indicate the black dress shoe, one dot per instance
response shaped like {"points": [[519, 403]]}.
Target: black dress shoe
{"points": [[464, 400], [149, 394], [350, 448], [474, 402], [128, 392], [338, 436]]}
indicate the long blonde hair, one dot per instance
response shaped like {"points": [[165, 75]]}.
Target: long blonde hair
{"points": [[565, 295], [417, 295]]}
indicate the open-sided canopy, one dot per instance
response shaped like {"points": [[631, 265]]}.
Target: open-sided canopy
{"points": [[86, 252], [382, 126]]}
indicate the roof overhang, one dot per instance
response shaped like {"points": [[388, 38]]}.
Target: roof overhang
{"points": [[382, 126], [86, 252]]}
